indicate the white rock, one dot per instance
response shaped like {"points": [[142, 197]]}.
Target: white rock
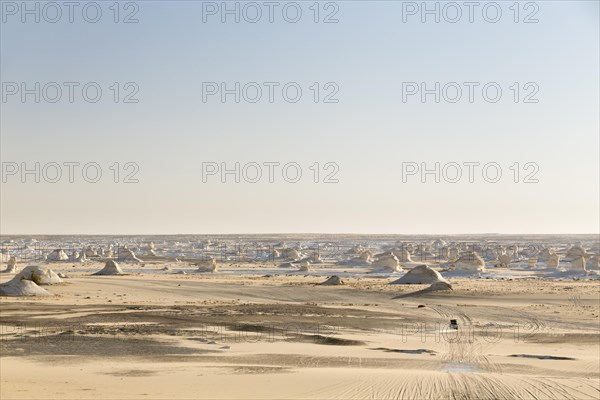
{"points": [[545, 254], [90, 252], [366, 257], [292, 254], [126, 255], [110, 268], [578, 264], [470, 261], [387, 262], [440, 286], [532, 262], [334, 280], [594, 261], [209, 265], [576, 251], [22, 287], [11, 266], [37, 274], [403, 255], [553, 260], [504, 260], [304, 265], [421, 274], [356, 249], [57, 255]]}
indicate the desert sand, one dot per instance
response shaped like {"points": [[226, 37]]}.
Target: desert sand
{"points": [[252, 329]]}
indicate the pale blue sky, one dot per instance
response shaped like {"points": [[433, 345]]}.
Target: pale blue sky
{"points": [[369, 133]]}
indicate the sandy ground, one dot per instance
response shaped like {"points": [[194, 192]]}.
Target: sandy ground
{"points": [[220, 336]]}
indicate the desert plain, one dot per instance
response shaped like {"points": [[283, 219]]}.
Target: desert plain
{"points": [[243, 317]]}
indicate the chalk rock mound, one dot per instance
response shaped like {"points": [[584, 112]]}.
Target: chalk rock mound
{"points": [[357, 249], [126, 255], [333, 280], [90, 252], [452, 253], [79, 256], [22, 287], [58, 255], [209, 265], [578, 264], [304, 265], [39, 275], [403, 255], [438, 244], [275, 254], [440, 286], [315, 258], [575, 252], [532, 261], [292, 254], [366, 257], [594, 261], [504, 260], [387, 262], [553, 260], [545, 254], [110, 268], [11, 266], [150, 250], [470, 261], [421, 274]]}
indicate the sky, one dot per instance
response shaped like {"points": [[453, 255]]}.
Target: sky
{"points": [[339, 117]]}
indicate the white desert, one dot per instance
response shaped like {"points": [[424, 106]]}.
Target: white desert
{"points": [[299, 317]]}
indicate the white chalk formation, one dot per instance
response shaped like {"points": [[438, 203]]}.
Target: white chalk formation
{"points": [[332, 281], [366, 257], [578, 264], [39, 275], [90, 252], [403, 255], [128, 256], [532, 261], [575, 252], [292, 254], [553, 260], [209, 265], [315, 258], [304, 265], [440, 286], [110, 268], [57, 255], [22, 287], [11, 265], [356, 249], [470, 261], [421, 274], [151, 249], [387, 262], [594, 261], [504, 260]]}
